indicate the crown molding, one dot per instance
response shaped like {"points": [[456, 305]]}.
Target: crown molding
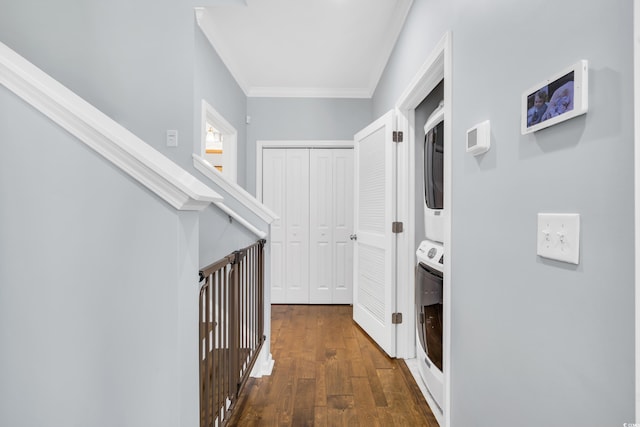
{"points": [[201, 19], [308, 92], [105, 136], [365, 89]]}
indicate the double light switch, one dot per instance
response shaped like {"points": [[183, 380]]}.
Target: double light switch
{"points": [[559, 237]]}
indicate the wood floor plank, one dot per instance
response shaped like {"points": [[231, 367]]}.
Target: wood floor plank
{"points": [[341, 411], [304, 404], [416, 395], [328, 372], [374, 381], [321, 386], [305, 368], [362, 394], [400, 406], [338, 378], [320, 416]]}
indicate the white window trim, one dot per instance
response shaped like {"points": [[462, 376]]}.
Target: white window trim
{"points": [[209, 114]]}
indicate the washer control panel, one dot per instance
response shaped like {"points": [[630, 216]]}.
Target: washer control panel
{"points": [[431, 254]]}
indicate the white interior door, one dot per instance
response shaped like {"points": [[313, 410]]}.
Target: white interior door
{"points": [[321, 226], [273, 196], [342, 227], [375, 247], [297, 226], [331, 223]]}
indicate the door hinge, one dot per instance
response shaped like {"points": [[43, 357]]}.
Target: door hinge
{"points": [[397, 136], [396, 318], [396, 227]]}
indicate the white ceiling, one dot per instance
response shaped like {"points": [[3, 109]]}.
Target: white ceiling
{"points": [[305, 48]]}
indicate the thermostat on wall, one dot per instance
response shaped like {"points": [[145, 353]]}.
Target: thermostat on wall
{"points": [[479, 138]]}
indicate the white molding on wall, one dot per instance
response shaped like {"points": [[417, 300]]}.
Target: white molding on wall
{"points": [[234, 190], [395, 26], [118, 145], [437, 66], [230, 158], [246, 224], [365, 90], [308, 92], [201, 19], [264, 364]]}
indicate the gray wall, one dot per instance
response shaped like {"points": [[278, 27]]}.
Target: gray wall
{"points": [[147, 65], [302, 119], [535, 342], [213, 83], [219, 236], [89, 315], [132, 60], [143, 64]]}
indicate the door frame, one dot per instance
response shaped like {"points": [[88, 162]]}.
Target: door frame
{"points": [[437, 66]]}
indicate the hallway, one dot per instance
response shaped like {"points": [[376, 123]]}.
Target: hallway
{"points": [[329, 373]]}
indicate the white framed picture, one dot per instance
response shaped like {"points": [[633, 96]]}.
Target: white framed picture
{"points": [[559, 98]]}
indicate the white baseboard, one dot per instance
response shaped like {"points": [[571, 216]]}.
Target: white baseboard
{"points": [[264, 364]]}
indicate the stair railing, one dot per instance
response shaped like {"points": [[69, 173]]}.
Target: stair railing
{"points": [[231, 329]]}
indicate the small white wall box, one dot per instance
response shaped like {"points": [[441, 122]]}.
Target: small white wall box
{"points": [[479, 138], [559, 98]]}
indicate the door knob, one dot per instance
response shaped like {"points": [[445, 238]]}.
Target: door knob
{"points": [[353, 237]]}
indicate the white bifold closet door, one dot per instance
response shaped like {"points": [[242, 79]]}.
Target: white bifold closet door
{"points": [[274, 197], [331, 224], [311, 253]]}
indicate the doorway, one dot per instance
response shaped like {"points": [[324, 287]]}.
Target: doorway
{"points": [[436, 68]]}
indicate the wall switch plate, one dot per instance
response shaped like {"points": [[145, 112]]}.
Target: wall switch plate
{"points": [[559, 237], [172, 138]]}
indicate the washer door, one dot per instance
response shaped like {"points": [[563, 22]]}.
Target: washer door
{"points": [[429, 311]]}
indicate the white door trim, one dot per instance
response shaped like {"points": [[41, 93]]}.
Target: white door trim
{"points": [[636, 138], [437, 66], [262, 144]]}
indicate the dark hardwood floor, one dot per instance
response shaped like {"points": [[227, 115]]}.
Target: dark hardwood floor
{"points": [[329, 373]]}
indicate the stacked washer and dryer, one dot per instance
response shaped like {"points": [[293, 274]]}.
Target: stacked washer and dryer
{"points": [[430, 261]]}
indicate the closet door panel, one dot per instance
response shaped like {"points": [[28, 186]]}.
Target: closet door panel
{"points": [[273, 196], [311, 253], [343, 194], [297, 227], [321, 271]]}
